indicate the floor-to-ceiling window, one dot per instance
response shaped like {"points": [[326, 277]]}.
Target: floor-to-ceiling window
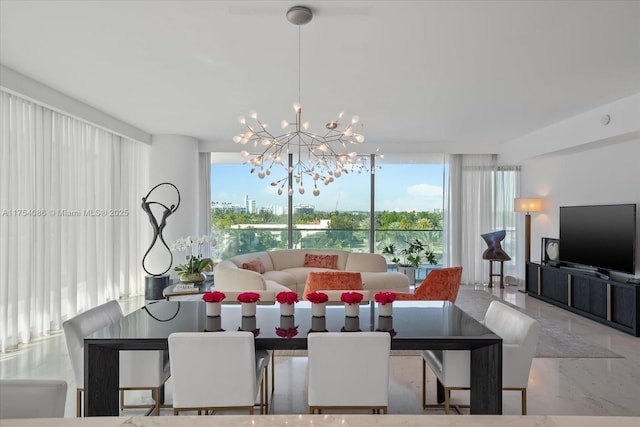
{"points": [[248, 215]]}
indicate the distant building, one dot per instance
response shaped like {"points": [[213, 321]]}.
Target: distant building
{"points": [[304, 209], [223, 207]]}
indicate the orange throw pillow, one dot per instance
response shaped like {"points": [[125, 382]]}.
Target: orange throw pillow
{"points": [[321, 261], [332, 280], [256, 265]]}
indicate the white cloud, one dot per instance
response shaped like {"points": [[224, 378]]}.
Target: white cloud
{"points": [[425, 190]]}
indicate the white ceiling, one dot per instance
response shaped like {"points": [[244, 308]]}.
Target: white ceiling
{"points": [[463, 76]]}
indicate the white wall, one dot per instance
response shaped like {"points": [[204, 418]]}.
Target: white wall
{"points": [[174, 159]]}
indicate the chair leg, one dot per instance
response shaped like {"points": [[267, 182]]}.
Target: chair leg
{"points": [[266, 390], [156, 397], [524, 400], [424, 384], [273, 372], [78, 402], [447, 397]]}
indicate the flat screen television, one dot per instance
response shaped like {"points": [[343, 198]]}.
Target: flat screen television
{"points": [[601, 236]]}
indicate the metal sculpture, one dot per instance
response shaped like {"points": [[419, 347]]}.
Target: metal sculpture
{"points": [[158, 227]]}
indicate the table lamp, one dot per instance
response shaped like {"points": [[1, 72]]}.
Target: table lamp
{"points": [[528, 206]]}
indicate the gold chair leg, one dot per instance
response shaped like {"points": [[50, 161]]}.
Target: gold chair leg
{"points": [[424, 384], [79, 402], [447, 396]]}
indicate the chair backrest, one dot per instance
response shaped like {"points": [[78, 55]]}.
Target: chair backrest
{"points": [[32, 398], [440, 284], [519, 333], [332, 280], [84, 324], [348, 369], [227, 379]]}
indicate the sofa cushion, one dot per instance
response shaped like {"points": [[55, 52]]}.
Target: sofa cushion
{"points": [[322, 261], [246, 258], [332, 280], [366, 262], [300, 274], [256, 265], [282, 277], [290, 258]]}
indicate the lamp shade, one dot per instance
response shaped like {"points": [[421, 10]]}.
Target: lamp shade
{"points": [[527, 205]]}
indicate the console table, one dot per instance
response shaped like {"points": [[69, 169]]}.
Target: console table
{"points": [[615, 304]]}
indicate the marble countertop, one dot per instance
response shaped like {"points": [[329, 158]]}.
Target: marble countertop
{"points": [[332, 420]]}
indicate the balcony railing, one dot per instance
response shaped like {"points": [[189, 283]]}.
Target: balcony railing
{"points": [[233, 242]]}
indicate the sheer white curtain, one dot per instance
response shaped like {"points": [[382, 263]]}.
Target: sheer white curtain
{"points": [[507, 188], [71, 230], [469, 213], [204, 196]]}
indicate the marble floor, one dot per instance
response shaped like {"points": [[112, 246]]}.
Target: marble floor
{"points": [[557, 386]]}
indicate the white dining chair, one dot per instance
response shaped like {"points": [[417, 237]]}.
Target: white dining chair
{"points": [[519, 333], [32, 398], [348, 370], [230, 379], [139, 369]]}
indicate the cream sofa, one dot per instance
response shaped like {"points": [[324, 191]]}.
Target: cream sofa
{"points": [[285, 271]]}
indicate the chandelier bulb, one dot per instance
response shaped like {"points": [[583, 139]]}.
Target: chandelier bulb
{"points": [[316, 192], [244, 153], [253, 115], [297, 107], [284, 124], [274, 183], [237, 139], [355, 119], [337, 173], [315, 176], [242, 120], [280, 191], [290, 191], [301, 190], [261, 174], [305, 125], [360, 138], [269, 171]]}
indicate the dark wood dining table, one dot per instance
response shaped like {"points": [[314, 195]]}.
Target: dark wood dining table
{"points": [[414, 325]]}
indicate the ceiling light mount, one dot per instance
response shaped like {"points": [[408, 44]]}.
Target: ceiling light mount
{"points": [[299, 15]]}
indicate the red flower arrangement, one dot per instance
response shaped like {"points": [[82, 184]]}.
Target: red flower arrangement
{"points": [[385, 297], [317, 297], [215, 296], [287, 297], [351, 297], [287, 333], [249, 297]]}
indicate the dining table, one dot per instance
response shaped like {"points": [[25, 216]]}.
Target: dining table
{"points": [[413, 325]]}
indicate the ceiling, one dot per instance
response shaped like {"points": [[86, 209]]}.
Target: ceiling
{"points": [[424, 76]]}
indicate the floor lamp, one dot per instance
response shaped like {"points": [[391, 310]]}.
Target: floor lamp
{"points": [[528, 206]]}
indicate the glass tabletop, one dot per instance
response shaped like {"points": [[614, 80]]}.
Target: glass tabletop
{"points": [[411, 319]]}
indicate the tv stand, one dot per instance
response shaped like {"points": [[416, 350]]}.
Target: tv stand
{"points": [[601, 274], [591, 294]]}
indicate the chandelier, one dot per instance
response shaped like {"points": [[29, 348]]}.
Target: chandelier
{"points": [[299, 152]]}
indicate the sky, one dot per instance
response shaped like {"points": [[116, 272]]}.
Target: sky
{"points": [[399, 187]]}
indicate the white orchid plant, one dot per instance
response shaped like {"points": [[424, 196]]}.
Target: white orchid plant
{"points": [[193, 248]]}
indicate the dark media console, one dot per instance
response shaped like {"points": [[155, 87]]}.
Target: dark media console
{"points": [[610, 302]]}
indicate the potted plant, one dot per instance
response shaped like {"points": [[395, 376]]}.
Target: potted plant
{"points": [[413, 255], [193, 270]]}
